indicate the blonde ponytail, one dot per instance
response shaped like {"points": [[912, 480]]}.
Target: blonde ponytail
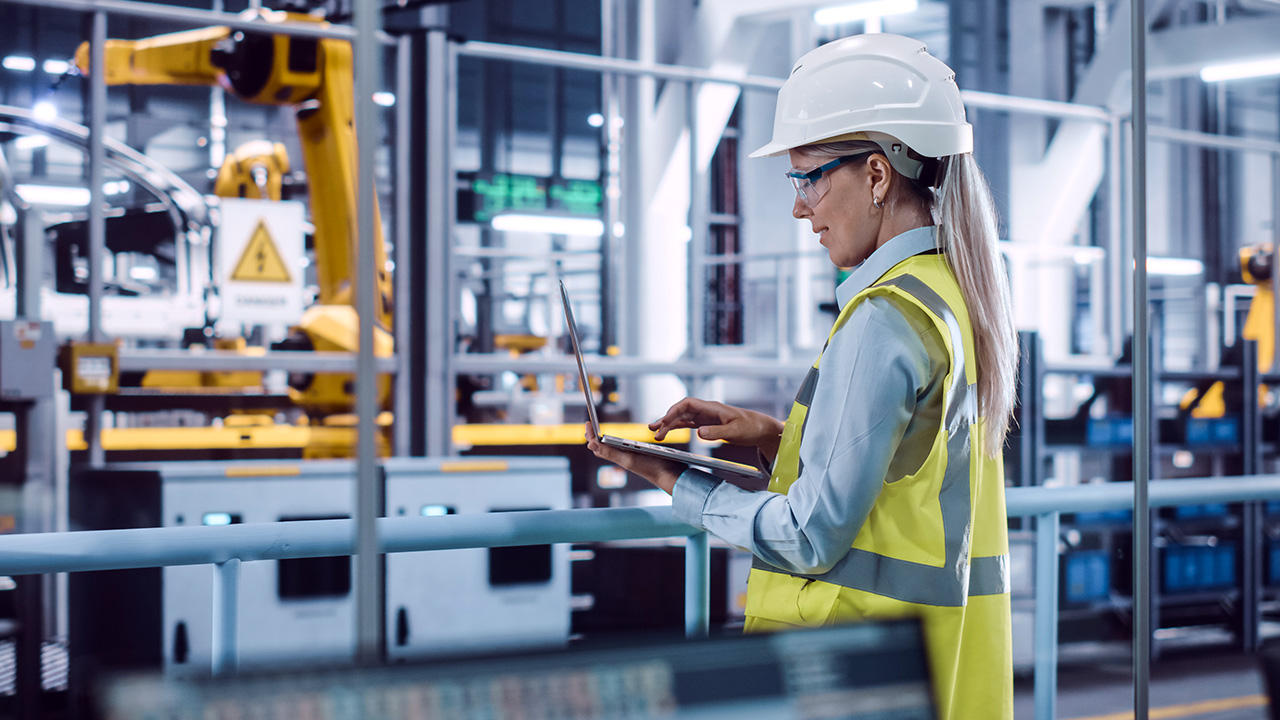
{"points": [[967, 236]]}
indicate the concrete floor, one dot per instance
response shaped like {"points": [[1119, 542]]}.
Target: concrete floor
{"points": [[1212, 682]]}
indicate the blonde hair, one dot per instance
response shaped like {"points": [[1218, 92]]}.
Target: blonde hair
{"points": [[968, 231]]}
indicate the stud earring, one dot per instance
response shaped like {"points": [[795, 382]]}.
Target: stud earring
{"points": [[876, 201]]}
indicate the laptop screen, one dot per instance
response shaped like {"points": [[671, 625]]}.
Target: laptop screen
{"points": [[582, 369]]}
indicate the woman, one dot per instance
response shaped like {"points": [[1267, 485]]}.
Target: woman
{"points": [[887, 492]]}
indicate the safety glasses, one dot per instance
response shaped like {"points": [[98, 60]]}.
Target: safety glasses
{"points": [[811, 185]]}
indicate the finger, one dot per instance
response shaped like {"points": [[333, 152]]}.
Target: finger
{"points": [[683, 409], [713, 432]]}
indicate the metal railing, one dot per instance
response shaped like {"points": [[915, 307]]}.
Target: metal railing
{"points": [[225, 548]]}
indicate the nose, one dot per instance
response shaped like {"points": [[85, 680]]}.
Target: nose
{"points": [[799, 210]]}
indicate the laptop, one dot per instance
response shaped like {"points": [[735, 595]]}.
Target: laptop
{"points": [[699, 461]]}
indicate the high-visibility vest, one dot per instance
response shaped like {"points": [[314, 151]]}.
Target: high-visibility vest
{"points": [[935, 544]]}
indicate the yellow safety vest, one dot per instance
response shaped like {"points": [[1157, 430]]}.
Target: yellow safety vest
{"points": [[935, 545]]}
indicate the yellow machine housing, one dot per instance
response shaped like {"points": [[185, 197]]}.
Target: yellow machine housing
{"points": [[1256, 266], [255, 171]]}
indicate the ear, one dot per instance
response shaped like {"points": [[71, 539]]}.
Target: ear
{"points": [[880, 175]]}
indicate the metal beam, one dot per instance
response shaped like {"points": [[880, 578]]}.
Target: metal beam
{"points": [[490, 364], [595, 63], [1142, 610], [193, 16], [368, 71], [229, 361], [93, 550]]}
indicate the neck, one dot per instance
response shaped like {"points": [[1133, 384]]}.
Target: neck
{"points": [[894, 224]]}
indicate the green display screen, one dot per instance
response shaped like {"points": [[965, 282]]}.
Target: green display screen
{"points": [[494, 193]]}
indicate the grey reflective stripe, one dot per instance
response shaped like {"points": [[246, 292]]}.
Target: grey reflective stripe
{"points": [[960, 398], [807, 388], [957, 578], [989, 575]]}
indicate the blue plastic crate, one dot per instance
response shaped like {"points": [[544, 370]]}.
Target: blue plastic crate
{"points": [[1104, 517], [1185, 512], [1213, 431], [1225, 566], [1188, 569], [1087, 576], [1109, 431]]}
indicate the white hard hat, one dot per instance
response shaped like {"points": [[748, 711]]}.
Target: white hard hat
{"points": [[867, 87]]}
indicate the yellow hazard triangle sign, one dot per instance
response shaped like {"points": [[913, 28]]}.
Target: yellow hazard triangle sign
{"points": [[261, 261]]}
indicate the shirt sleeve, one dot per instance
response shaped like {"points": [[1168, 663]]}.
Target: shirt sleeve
{"points": [[872, 372]]}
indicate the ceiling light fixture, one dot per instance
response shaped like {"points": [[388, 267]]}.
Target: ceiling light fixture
{"points": [[31, 142], [548, 224], [853, 12], [56, 67], [385, 99], [19, 63], [1174, 266], [1261, 67], [45, 110], [53, 195]]}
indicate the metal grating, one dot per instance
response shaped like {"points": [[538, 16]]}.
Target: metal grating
{"points": [[8, 667], [54, 666]]}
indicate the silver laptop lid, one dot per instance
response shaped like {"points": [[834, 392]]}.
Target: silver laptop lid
{"points": [[582, 369]]}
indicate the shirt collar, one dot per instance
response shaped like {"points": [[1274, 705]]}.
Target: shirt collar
{"points": [[899, 248]]}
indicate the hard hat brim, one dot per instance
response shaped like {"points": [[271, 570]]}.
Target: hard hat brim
{"points": [[771, 149]]}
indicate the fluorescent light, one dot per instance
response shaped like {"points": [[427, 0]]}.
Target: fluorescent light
{"points": [[385, 99], [436, 510], [53, 195], [852, 12], [216, 519], [595, 120], [1174, 266], [31, 142], [20, 63], [143, 273], [548, 224], [56, 67], [115, 187], [1261, 67], [45, 110]]}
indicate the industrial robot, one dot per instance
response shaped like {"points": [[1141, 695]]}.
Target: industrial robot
{"points": [[314, 77]]}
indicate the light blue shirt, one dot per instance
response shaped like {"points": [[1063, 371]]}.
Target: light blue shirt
{"points": [[875, 412]]}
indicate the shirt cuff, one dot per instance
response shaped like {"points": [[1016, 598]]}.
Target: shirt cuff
{"points": [[689, 496]]}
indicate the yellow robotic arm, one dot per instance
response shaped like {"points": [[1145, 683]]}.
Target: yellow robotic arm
{"points": [[255, 170], [315, 77]]}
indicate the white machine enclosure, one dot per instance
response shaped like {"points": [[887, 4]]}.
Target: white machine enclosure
{"points": [[273, 627], [302, 611], [462, 601]]}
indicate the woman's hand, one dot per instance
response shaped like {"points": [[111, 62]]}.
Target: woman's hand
{"points": [[662, 473], [717, 421]]}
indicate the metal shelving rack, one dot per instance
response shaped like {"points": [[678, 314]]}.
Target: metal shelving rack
{"points": [[1244, 524]]}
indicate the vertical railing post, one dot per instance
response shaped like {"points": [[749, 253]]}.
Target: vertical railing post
{"points": [[698, 202], [697, 585], [97, 222], [1046, 616], [226, 591], [1142, 606]]}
